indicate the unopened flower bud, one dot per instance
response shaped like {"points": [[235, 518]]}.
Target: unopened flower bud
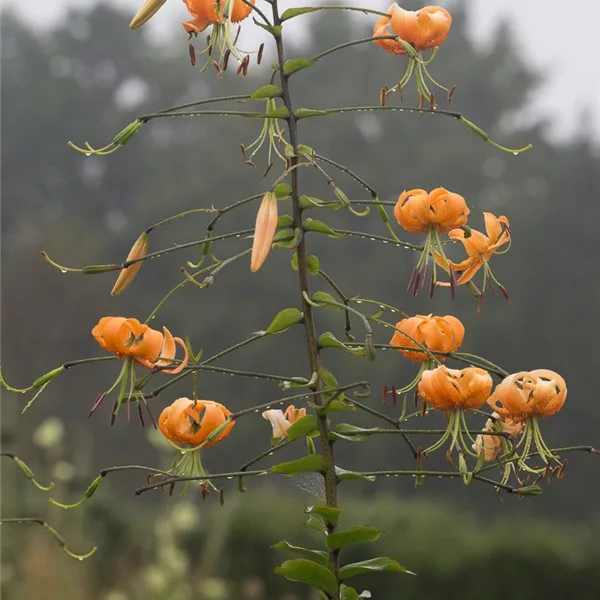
{"points": [[264, 232], [127, 275], [146, 12]]}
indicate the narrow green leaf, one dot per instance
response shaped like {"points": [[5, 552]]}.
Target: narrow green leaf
{"points": [[302, 427], [266, 91], [358, 434], [290, 13], [328, 377], [287, 318], [281, 112], [310, 202], [325, 298], [313, 462], [357, 535], [274, 30], [313, 265], [343, 474], [304, 149], [317, 555], [44, 379], [328, 340], [330, 515], [304, 113], [381, 563], [282, 191], [309, 572], [349, 593], [293, 65], [530, 490], [336, 406], [284, 221], [320, 227], [316, 524]]}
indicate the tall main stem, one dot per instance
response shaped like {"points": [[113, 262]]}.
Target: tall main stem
{"points": [[303, 277]]}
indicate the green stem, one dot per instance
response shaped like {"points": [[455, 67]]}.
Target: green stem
{"points": [[173, 480], [203, 113], [327, 445]]}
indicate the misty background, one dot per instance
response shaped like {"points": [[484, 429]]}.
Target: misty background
{"points": [[77, 73]]}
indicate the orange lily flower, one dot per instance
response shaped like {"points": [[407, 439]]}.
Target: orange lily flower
{"points": [[481, 247], [490, 445], [448, 389], [383, 28], [210, 12], [190, 422], [438, 211], [438, 334], [529, 394], [148, 347], [281, 421], [418, 212], [425, 28]]}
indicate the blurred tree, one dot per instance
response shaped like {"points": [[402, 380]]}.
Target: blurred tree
{"points": [[90, 76]]}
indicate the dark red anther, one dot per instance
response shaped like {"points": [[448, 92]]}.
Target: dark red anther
{"points": [[226, 59], [394, 396], [412, 279], [504, 292], [480, 303], [452, 283], [113, 415], [140, 414], [431, 288], [385, 395], [192, 51], [237, 35], [128, 411], [171, 488], [218, 69], [268, 169], [261, 49], [96, 404], [451, 94], [432, 104], [562, 469], [150, 415], [221, 496]]}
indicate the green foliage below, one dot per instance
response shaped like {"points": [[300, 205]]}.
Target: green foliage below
{"points": [[309, 572], [313, 462], [356, 535]]}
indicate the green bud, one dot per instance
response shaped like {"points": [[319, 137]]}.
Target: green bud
{"points": [[44, 379]]}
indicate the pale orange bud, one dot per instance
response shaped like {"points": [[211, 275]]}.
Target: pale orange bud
{"points": [[146, 12], [127, 275], [264, 232]]}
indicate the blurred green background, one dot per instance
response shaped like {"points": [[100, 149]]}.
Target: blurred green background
{"points": [[85, 81]]}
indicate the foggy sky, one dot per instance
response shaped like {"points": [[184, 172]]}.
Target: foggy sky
{"points": [[560, 41]]}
